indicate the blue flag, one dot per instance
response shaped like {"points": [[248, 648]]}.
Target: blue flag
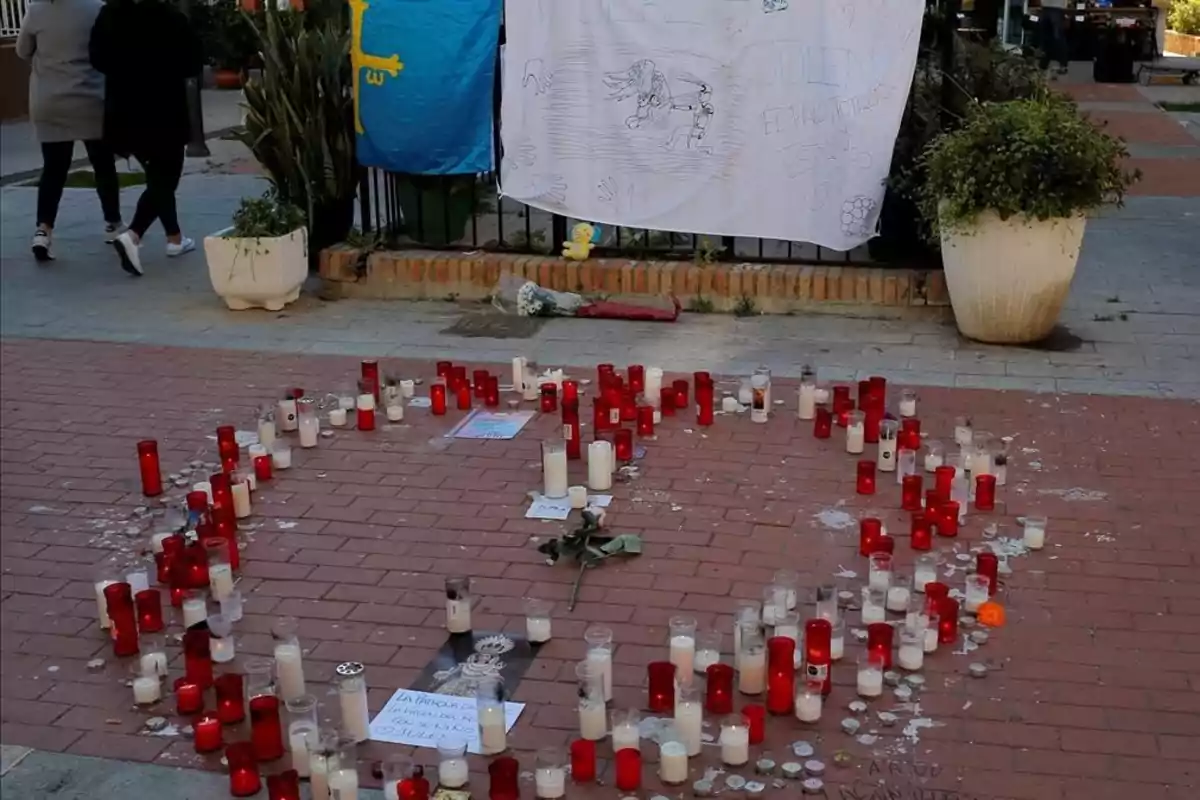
{"points": [[424, 80]]}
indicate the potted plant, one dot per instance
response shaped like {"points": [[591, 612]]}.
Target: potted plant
{"points": [[1008, 191], [261, 261], [229, 40]]}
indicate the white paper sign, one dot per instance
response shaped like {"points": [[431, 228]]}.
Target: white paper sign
{"points": [[480, 424], [544, 507], [760, 118], [423, 719]]}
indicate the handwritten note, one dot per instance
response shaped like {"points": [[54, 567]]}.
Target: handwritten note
{"points": [[423, 719], [481, 424], [560, 507]]}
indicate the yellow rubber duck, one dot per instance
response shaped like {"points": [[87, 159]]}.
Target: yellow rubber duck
{"points": [[583, 238]]}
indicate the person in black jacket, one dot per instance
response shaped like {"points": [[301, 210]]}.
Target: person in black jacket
{"points": [[147, 50]]}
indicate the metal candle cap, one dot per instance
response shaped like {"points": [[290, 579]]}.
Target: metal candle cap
{"points": [[350, 669]]}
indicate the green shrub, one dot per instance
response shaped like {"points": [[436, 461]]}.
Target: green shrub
{"points": [[265, 217], [1184, 17], [1039, 157]]}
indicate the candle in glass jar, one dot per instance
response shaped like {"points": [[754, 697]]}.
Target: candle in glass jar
{"points": [[599, 655], [874, 602], [286, 414], [809, 702], [195, 609], [153, 664], [147, 690], [600, 466], [870, 676], [911, 655], [206, 734], [266, 431], [281, 455], [978, 591], [735, 742], [550, 782], [537, 621], [310, 425], [241, 499], [880, 574], [689, 720], [554, 468], [337, 417], [933, 456], [220, 580], [908, 403], [930, 637], [289, 669], [683, 647], [625, 734], [453, 773], [492, 735], [806, 407], [752, 671], [343, 783], [102, 604], [856, 431], [673, 762], [593, 719], [458, 612], [1035, 533], [302, 741], [897, 598]]}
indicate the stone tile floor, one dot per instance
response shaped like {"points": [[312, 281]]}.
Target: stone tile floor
{"points": [[1093, 691]]}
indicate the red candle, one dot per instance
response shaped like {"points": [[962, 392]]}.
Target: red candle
{"points": [[911, 487], [297, 393], [437, 398], [195, 561], [222, 496], [266, 729], [702, 378], [818, 652], [207, 735], [623, 443], [231, 698], [637, 378], [491, 395], [370, 377], [878, 389], [865, 483], [933, 502], [549, 395], [462, 394], [119, 600], [628, 406], [571, 430], [943, 480], [989, 565], [480, 380], [415, 787], [227, 447], [921, 536], [947, 619], [197, 502], [629, 769], [879, 642], [666, 401], [227, 532], [718, 696], [172, 546], [661, 691], [781, 676], [910, 434], [149, 610], [284, 786], [502, 774], [985, 492], [583, 761], [189, 697], [681, 394], [947, 521], [570, 391], [755, 717], [871, 419], [262, 469], [147, 451], [704, 404], [645, 421], [869, 529], [445, 370], [244, 780], [822, 423], [841, 399], [197, 657], [599, 414], [935, 593], [604, 373], [364, 411], [864, 394], [883, 543], [458, 378]]}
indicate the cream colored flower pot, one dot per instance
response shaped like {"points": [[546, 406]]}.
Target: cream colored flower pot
{"points": [[1008, 279], [257, 273]]}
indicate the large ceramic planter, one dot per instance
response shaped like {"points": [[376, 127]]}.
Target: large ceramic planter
{"points": [[257, 273], [1008, 279]]}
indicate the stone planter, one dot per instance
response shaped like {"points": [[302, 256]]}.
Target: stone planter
{"points": [[1008, 279], [257, 273], [1182, 44]]}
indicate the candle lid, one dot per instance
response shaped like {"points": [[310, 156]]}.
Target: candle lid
{"points": [[350, 669]]}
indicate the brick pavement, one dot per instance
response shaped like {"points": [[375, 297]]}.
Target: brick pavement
{"points": [[1094, 693]]}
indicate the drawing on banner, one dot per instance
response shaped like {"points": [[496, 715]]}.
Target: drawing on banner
{"points": [[858, 216], [700, 104], [522, 154], [537, 76], [552, 189], [647, 83], [771, 6]]}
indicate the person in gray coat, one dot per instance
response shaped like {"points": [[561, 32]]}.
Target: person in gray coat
{"points": [[66, 105]]}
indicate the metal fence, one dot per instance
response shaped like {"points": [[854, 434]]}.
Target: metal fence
{"points": [[11, 14]]}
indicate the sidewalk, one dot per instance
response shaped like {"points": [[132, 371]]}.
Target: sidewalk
{"points": [[1091, 693]]}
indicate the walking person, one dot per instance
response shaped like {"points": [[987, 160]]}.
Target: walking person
{"points": [[1052, 34], [66, 105], [147, 50]]}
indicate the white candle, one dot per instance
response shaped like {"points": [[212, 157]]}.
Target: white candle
{"points": [[337, 417], [289, 668], [138, 581], [924, 573], [735, 745], [885, 461], [554, 469], [241, 499], [318, 770], [407, 388], [310, 427], [453, 773], [932, 461], [977, 593], [343, 783], [593, 720], [102, 604], [518, 373], [931, 640], [653, 386], [873, 613], [220, 580], [222, 649], [153, 665], [156, 541], [537, 629], [744, 397], [821, 395], [492, 735], [251, 480], [281, 456], [897, 598], [203, 486], [146, 690], [672, 763], [356, 719], [578, 496], [689, 720], [266, 432], [808, 707], [286, 415], [231, 606], [911, 657], [301, 736], [856, 436], [195, 610], [837, 645], [458, 616], [550, 782], [1035, 533], [625, 736], [395, 412], [908, 406], [807, 407], [683, 656], [752, 674], [601, 660], [870, 683], [730, 405], [705, 659], [600, 466], [879, 579]]}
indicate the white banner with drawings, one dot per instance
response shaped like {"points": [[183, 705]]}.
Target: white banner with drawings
{"points": [[760, 118]]}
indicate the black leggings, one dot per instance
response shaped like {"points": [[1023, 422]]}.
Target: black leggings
{"points": [[56, 164], [163, 167]]}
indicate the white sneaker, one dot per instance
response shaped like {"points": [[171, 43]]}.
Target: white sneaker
{"points": [[127, 249], [112, 230], [41, 246], [185, 245]]}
